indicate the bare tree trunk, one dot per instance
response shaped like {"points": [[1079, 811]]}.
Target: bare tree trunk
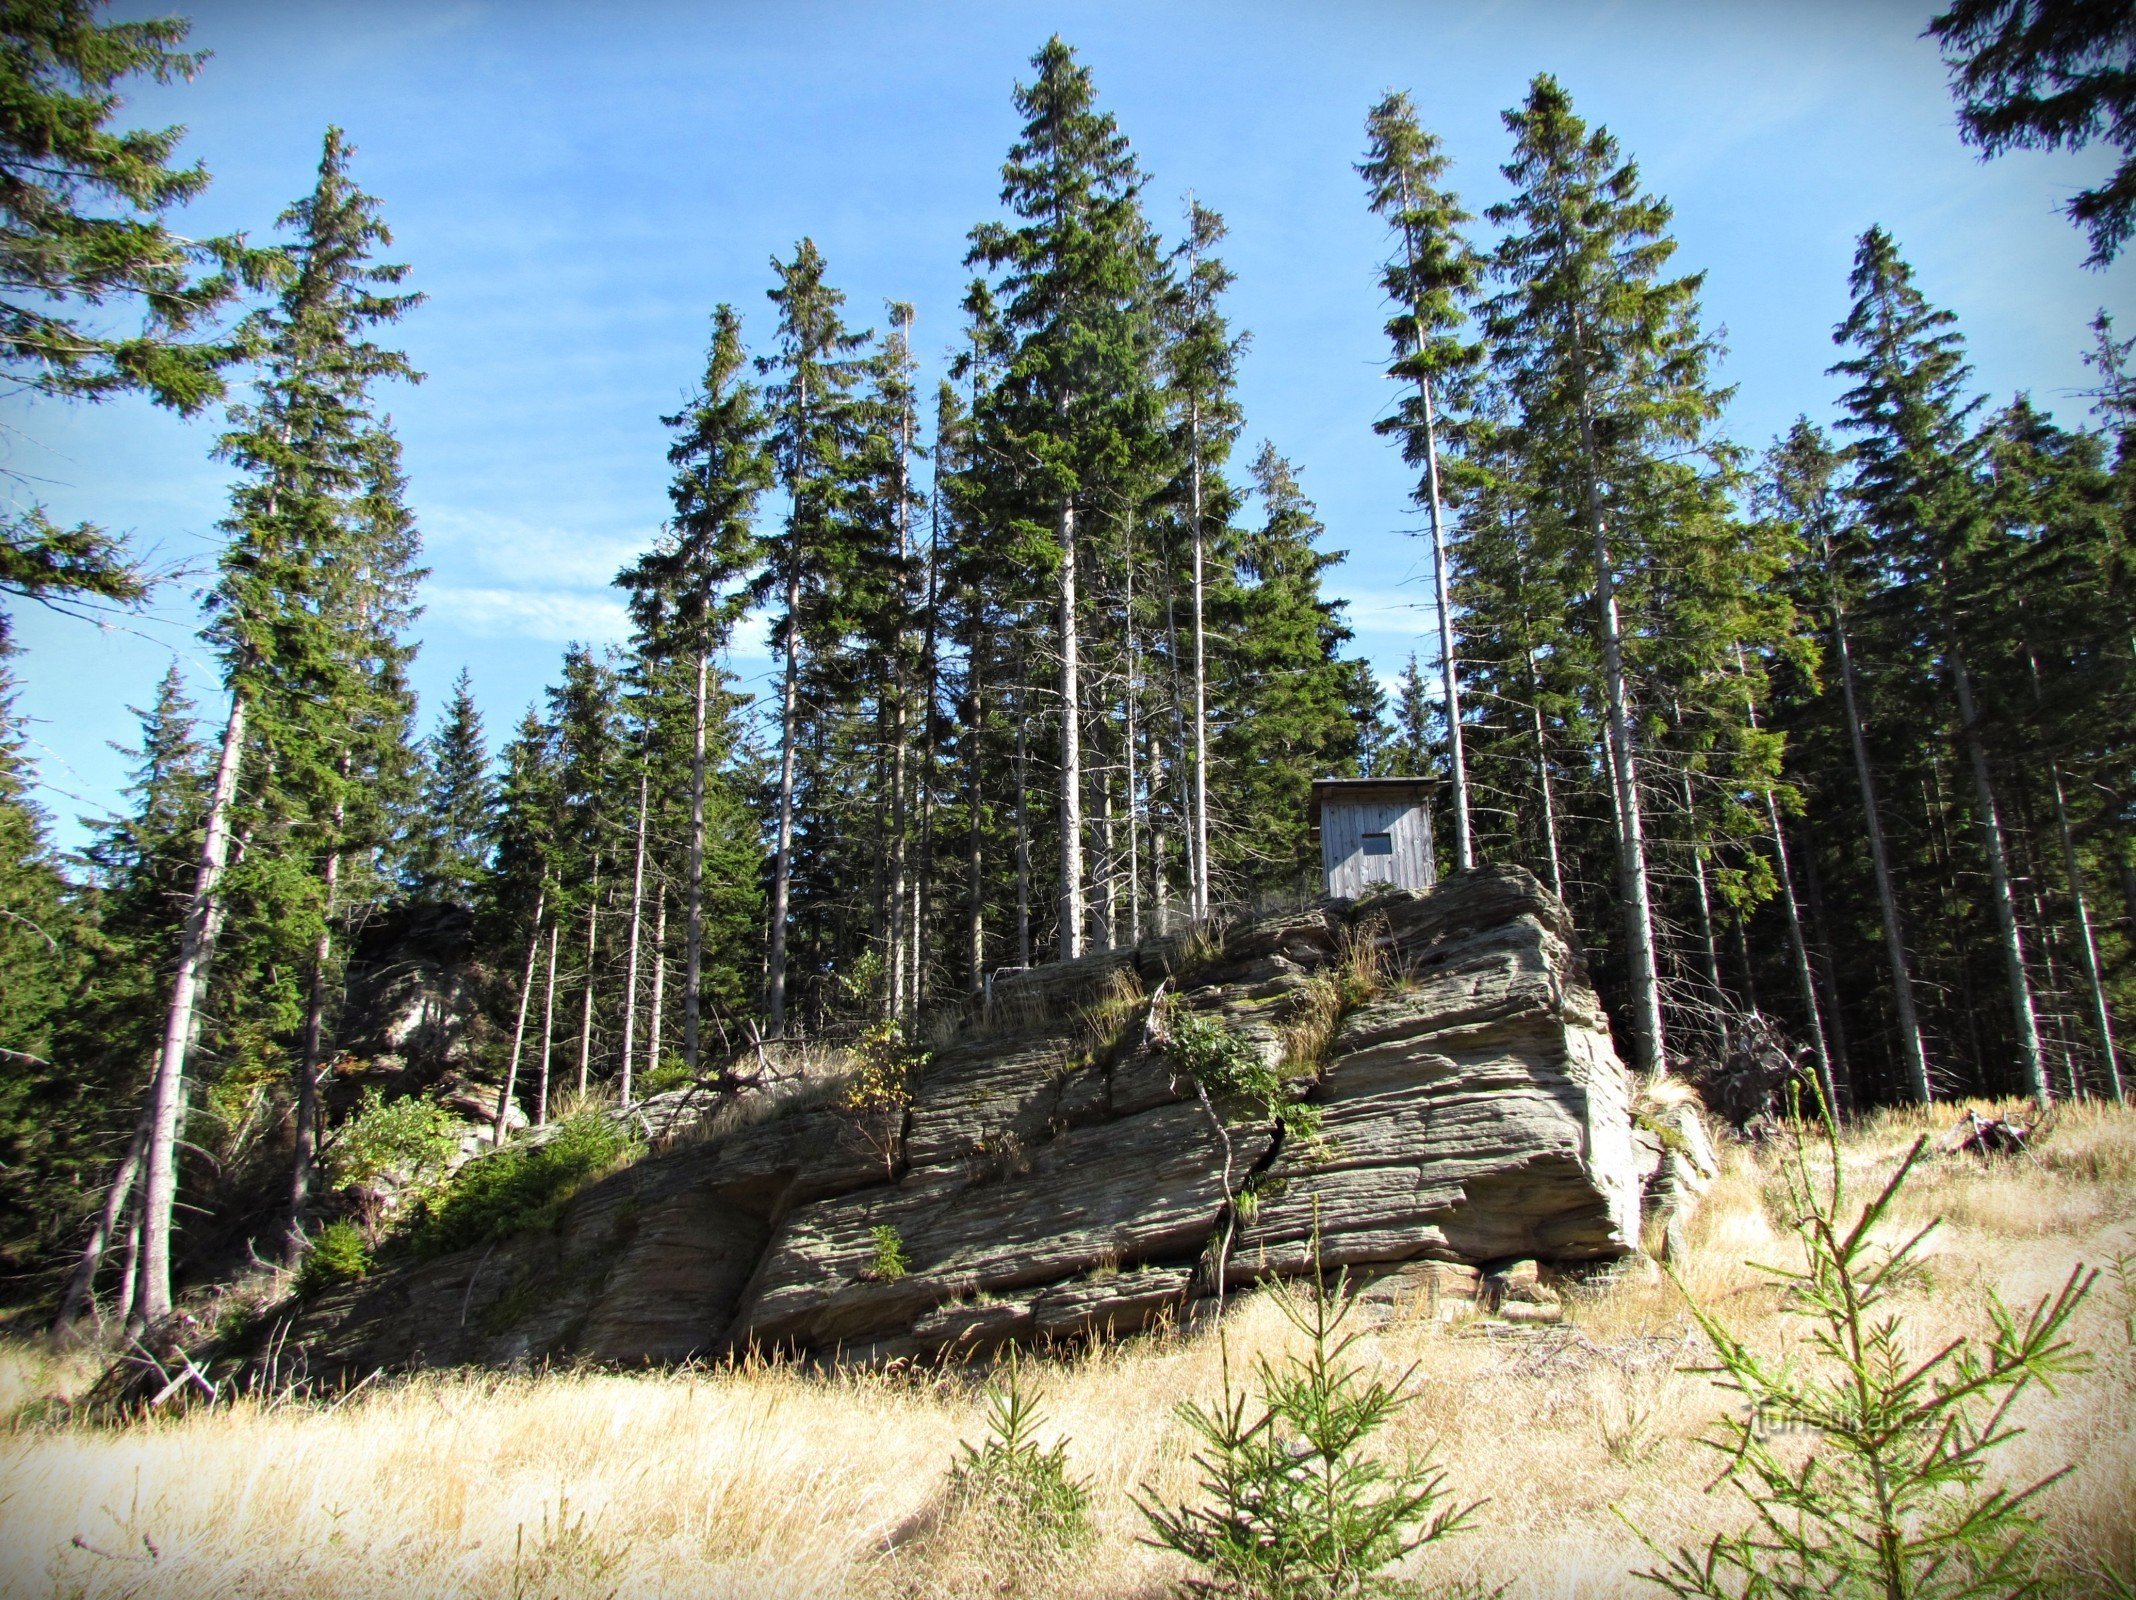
{"points": [[519, 1026], [1071, 897], [1542, 779], [1449, 676], [167, 1095], [923, 878], [652, 1021], [630, 981], [1799, 945], [2087, 945], [1160, 888], [81, 1286], [974, 835], [1023, 831], [548, 1029], [1911, 1051], [2030, 1056], [1134, 786], [130, 1267], [694, 939], [1709, 946], [1107, 885], [309, 1113], [593, 923], [782, 855], [1624, 782], [1198, 895]]}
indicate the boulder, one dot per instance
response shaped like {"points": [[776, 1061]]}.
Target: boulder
{"points": [[1046, 1183]]}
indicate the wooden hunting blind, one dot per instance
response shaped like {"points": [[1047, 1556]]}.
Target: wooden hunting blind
{"points": [[1373, 831]]}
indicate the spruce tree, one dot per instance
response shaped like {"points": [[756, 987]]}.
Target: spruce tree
{"points": [[140, 864], [456, 818], [300, 584], [1607, 363], [1433, 279], [85, 207], [1913, 457], [1075, 392], [815, 433], [687, 592]]}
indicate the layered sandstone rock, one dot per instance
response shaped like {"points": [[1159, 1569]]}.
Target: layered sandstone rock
{"points": [[1056, 1176]]}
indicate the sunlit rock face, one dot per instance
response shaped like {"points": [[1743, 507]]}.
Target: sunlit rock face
{"points": [[1056, 1174]]}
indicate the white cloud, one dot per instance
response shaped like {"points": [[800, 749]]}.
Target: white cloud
{"points": [[487, 544], [552, 614]]}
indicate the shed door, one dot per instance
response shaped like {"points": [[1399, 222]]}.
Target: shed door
{"points": [[1361, 845]]}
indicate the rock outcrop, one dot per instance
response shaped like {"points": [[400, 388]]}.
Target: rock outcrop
{"points": [[1056, 1174]]}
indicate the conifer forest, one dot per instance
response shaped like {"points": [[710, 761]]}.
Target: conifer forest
{"points": [[1836, 727]]}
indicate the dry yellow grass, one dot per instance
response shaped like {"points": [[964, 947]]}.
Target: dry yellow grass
{"points": [[774, 1482]]}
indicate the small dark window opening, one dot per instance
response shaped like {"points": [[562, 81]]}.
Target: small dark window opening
{"points": [[1379, 844]]}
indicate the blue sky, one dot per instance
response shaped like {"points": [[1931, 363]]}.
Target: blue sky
{"points": [[576, 185]]}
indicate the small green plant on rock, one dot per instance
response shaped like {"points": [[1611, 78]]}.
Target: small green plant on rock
{"points": [[1230, 1070], [1015, 1486], [1867, 1466], [890, 1262], [523, 1188], [338, 1254], [1298, 1505]]}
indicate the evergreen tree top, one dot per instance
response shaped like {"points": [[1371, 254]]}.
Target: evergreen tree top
{"points": [[1434, 272], [59, 162], [1587, 322], [686, 593]]}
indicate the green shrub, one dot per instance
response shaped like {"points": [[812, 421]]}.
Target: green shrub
{"points": [[1298, 1508], [1020, 1490], [1231, 1070], [1866, 1467], [408, 1140], [891, 1262], [522, 1188], [670, 1074], [338, 1254]]}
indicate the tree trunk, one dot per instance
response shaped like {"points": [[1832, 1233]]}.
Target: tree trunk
{"points": [[694, 939], [1631, 831], [782, 855], [1023, 830], [974, 836], [1198, 896], [548, 1029], [630, 981], [1449, 677], [2030, 1057], [923, 876], [593, 924], [81, 1286], [519, 1026], [130, 1269], [1800, 947], [1071, 897], [167, 1094], [1826, 968], [2087, 945], [309, 1112], [1911, 1051], [1542, 780], [652, 1021]]}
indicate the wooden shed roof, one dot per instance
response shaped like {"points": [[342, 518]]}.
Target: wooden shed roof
{"points": [[1368, 792]]}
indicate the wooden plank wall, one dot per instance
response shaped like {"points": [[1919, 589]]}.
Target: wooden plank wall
{"points": [[1342, 849]]}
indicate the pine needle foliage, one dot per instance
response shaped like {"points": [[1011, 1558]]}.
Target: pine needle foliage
{"points": [[1018, 1487], [1298, 1506], [1868, 1468]]}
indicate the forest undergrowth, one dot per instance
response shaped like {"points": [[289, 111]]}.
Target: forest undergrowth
{"points": [[769, 1480]]}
